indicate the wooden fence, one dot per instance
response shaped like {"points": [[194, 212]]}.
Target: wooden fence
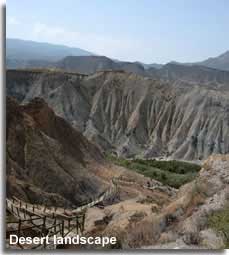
{"points": [[42, 225]]}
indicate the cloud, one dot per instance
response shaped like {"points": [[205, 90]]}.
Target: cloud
{"points": [[13, 21]]}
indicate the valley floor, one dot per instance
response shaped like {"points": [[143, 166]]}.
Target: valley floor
{"points": [[193, 217]]}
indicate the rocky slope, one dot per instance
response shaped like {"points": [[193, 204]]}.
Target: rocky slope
{"points": [[135, 115], [187, 218], [92, 64], [194, 73], [48, 162], [157, 219], [219, 62]]}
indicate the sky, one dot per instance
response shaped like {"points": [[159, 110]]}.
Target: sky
{"points": [[150, 31]]}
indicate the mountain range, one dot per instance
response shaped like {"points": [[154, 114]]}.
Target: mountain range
{"points": [[23, 51], [220, 62], [30, 54]]}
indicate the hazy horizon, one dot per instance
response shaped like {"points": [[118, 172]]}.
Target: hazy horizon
{"points": [[146, 31]]}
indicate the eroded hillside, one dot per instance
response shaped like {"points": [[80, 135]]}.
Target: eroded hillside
{"points": [[134, 115], [48, 162]]}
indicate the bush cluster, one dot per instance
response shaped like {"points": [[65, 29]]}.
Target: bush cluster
{"points": [[219, 221], [173, 173]]}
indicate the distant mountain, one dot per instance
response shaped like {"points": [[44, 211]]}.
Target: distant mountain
{"points": [[29, 54], [171, 72], [91, 64], [147, 66], [220, 62], [88, 64], [21, 50], [193, 73], [22, 63]]}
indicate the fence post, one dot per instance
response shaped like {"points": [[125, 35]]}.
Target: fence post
{"points": [[24, 213], [44, 221], [30, 218], [44, 243], [77, 225], [55, 225], [62, 228], [69, 222], [33, 207], [83, 222], [12, 208], [19, 227], [18, 212]]}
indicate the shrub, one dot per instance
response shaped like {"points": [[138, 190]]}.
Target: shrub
{"points": [[173, 173], [219, 221]]}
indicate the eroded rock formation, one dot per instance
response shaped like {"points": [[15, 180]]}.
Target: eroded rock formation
{"points": [[48, 162], [134, 115]]}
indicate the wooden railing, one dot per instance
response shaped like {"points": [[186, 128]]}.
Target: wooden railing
{"points": [[56, 220], [42, 225], [51, 220]]}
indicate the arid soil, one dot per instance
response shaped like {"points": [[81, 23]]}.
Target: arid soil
{"points": [[162, 221]]}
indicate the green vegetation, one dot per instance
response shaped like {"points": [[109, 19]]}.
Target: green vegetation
{"points": [[219, 221], [173, 173]]}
